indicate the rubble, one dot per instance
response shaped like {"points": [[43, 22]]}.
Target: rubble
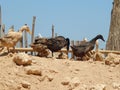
{"points": [[62, 56], [98, 57], [25, 84], [112, 59], [72, 83], [22, 59], [34, 72], [98, 87], [41, 49], [66, 81], [116, 85]]}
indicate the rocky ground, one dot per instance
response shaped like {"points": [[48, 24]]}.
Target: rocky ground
{"points": [[59, 74]]}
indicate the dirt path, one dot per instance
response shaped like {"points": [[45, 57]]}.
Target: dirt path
{"points": [[58, 74]]}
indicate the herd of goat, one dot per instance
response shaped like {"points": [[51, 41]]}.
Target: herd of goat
{"points": [[53, 44]]}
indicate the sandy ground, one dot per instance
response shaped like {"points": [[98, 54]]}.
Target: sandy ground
{"points": [[58, 74]]}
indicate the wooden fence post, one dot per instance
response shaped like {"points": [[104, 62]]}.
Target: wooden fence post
{"points": [[25, 39], [3, 30], [21, 42], [52, 31], [33, 29], [72, 43]]}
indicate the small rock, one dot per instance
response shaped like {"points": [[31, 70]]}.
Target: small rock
{"points": [[82, 87], [116, 85], [22, 59], [62, 56], [108, 62], [74, 83], [116, 61], [34, 72], [41, 49], [113, 65], [53, 71], [46, 77], [98, 57], [66, 81], [10, 55], [50, 78], [98, 87], [112, 59], [77, 69], [26, 84], [42, 78], [19, 87]]}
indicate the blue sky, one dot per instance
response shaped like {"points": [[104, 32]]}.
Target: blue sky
{"points": [[75, 19]]}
